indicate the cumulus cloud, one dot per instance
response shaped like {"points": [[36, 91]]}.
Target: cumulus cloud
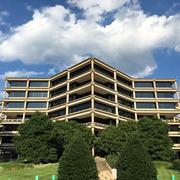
{"points": [[55, 35], [20, 73]]}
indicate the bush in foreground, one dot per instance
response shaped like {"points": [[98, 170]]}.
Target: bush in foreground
{"points": [[77, 162], [134, 162]]}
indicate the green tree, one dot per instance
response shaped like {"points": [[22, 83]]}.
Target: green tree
{"points": [[154, 134], [33, 143], [77, 162], [64, 131], [134, 161], [111, 139]]}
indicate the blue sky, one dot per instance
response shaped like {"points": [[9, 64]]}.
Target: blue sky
{"points": [[42, 37]]}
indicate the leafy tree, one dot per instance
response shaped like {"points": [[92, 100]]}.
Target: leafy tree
{"points": [[33, 143], [77, 162], [64, 131], [155, 138], [134, 161], [111, 140]]}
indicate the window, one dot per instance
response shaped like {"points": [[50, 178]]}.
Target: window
{"points": [[144, 95], [125, 102], [164, 84], [38, 84], [17, 94], [36, 105], [17, 83], [15, 105], [124, 91], [37, 94], [56, 92], [57, 113], [126, 114], [167, 105], [145, 105], [58, 102], [143, 84], [124, 81], [80, 70], [104, 71], [59, 80], [165, 95], [80, 107], [104, 107]]}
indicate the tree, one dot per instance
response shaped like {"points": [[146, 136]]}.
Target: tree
{"points": [[77, 162], [155, 137], [64, 131], [134, 161], [33, 143], [111, 139]]}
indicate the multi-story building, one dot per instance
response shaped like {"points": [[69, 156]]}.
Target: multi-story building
{"points": [[92, 93]]}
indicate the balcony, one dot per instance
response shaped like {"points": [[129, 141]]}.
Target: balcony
{"points": [[124, 81], [76, 96], [80, 71], [125, 92], [104, 107], [123, 102], [104, 71], [107, 85], [76, 85], [58, 91]]}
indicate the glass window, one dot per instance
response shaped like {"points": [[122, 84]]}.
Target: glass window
{"points": [[59, 80], [164, 84], [17, 94], [165, 95], [15, 105], [104, 71], [36, 105], [144, 94], [38, 84], [61, 90], [80, 70], [37, 94], [145, 105], [167, 105], [80, 107], [124, 81], [17, 83], [143, 84], [104, 107], [58, 102], [57, 113]]}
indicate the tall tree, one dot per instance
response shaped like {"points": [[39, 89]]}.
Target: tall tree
{"points": [[111, 139], [77, 162], [134, 161], [155, 137], [33, 143]]}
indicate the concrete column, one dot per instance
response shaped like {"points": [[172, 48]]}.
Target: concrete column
{"points": [[67, 94], [116, 97]]}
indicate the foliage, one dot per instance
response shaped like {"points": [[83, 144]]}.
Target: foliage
{"points": [[155, 138], [176, 165], [64, 131], [14, 166], [111, 140], [112, 160], [33, 143], [134, 162], [77, 162]]}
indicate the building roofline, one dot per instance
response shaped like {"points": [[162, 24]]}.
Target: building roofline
{"points": [[90, 58]]}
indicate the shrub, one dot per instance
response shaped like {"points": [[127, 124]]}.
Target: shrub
{"points": [[77, 162], [134, 162]]}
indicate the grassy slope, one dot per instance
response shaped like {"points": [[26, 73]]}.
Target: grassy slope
{"points": [[45, 173]]}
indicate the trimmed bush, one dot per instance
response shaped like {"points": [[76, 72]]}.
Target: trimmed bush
{"points": [[77, 162], [134, 162]]}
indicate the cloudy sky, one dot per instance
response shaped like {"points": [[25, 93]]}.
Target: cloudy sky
{"points": [[43, 37]]}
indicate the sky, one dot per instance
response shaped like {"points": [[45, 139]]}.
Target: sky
{"points": [[39, 38]]}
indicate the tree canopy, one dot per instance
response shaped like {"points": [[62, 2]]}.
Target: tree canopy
{"points": [[134, 162], [77, 162]]}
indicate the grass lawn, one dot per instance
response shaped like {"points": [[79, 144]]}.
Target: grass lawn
{"points": [[29, 173], [8, 170]]}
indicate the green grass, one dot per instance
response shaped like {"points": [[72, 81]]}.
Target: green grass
{"points": [[165, 171], [19, 171], [28, 173]]}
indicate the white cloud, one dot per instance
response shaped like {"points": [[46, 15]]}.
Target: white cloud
{"points": [[146, 72], [56, 36], [3, 15], [20, 73]]}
